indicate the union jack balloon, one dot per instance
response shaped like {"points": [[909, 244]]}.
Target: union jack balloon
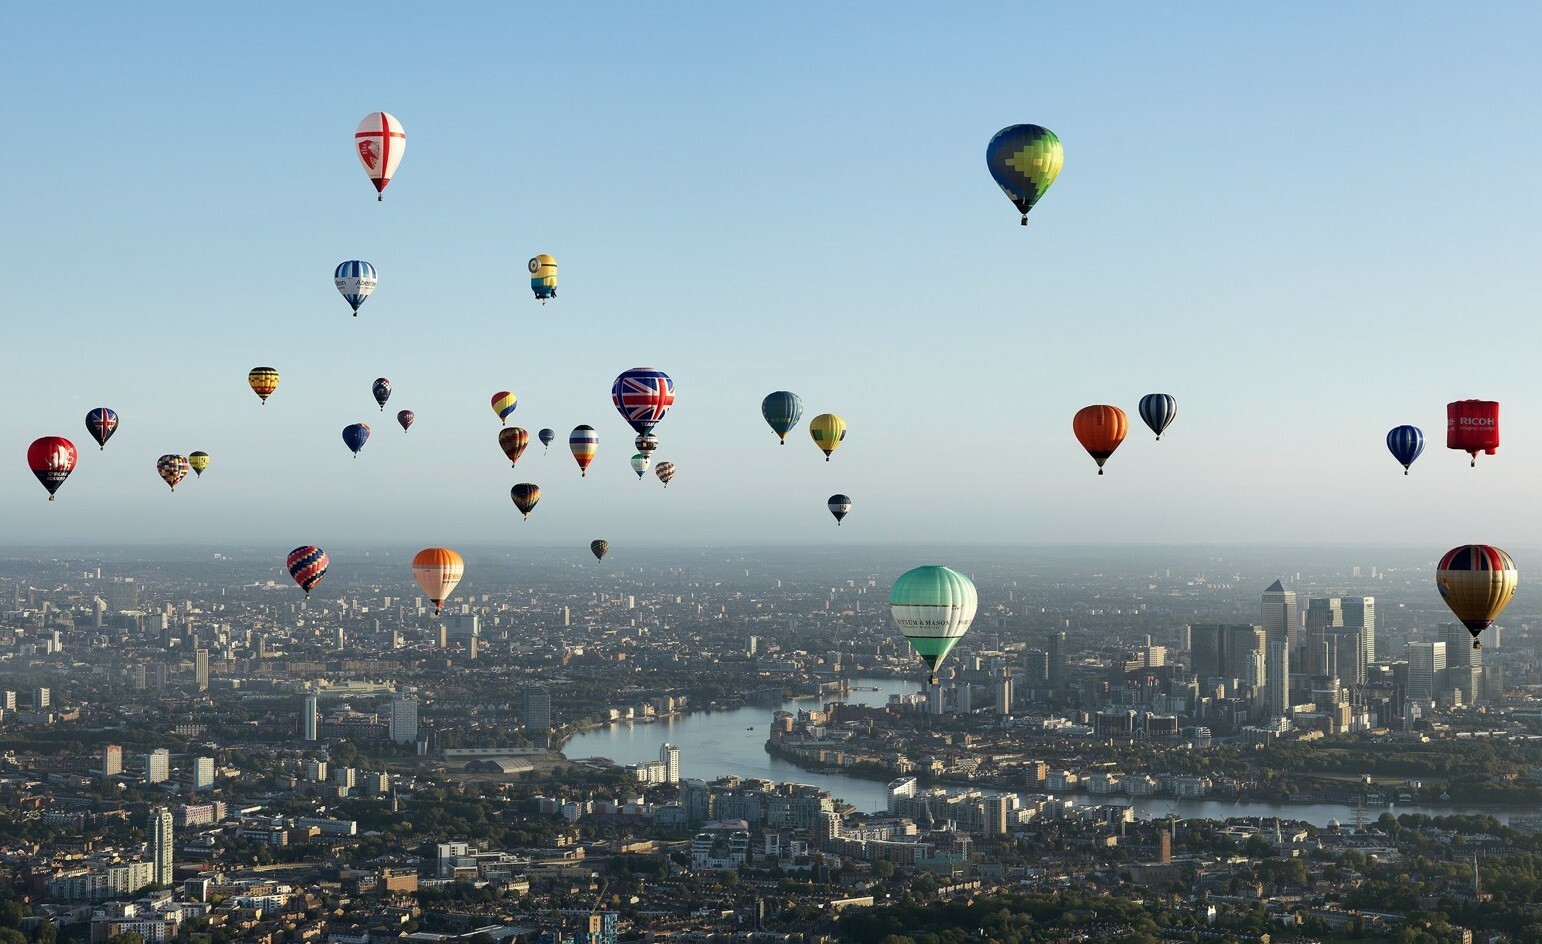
{"points": [[643, 395], [380, 143]]}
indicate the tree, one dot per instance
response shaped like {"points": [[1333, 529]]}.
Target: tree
{"points": [[883, 869]]}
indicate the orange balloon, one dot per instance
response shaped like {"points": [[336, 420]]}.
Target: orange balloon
{"points": [[1100, 429], [437, 570]]}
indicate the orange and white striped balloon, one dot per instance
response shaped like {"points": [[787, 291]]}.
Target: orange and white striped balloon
{"points": [[380, 143], [437, 570]]}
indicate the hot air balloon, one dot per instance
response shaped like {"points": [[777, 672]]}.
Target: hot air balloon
{"points": [[437, 570], [643, 395], [355, 279], [665, 471], [1477, 582], [101, 423], [840, 507], [1158, 410], [173, 469], [405, 417], [307, 565], [382, 391], [828, 431], [599, 549], [640, 465], [1100, 429], [1473, 426], [503, 404], [584, 442], [355, 436], [1405, 443], [547, 436], [263, 380], [198, 461], [513, 441], [525, 495], [933, 606], [543, 277], [647, 444], [380, 143], [51, 459], [1025, 160], [782, 411]]}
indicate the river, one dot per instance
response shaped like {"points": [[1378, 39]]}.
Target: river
{"points": [[733, 742]]}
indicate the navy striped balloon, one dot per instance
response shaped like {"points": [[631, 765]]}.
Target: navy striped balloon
{"points": [[1158, 410], [1405, 443]]}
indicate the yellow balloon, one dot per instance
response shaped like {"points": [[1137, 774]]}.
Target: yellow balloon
{"points": [[828, 430]]}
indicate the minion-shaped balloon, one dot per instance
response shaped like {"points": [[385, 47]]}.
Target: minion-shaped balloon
{"points": [[543, 277]]}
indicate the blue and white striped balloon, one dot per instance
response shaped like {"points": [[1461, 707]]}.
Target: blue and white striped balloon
{"points": [[355, 280], [1158, 410], [1405, 443]]}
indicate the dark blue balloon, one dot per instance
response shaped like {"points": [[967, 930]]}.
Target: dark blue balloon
{"points": [[1158, 410], [1405, 443], [355, 436]]}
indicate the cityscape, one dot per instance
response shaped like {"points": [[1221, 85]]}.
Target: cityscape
{"points": [[193, 750]]}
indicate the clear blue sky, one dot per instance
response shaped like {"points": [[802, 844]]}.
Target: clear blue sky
{"points": [[1309, 222]]}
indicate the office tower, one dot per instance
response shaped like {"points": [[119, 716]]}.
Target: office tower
{"points": [[112, 760], [42, 698], [899, 790], [203, 773], [670, 755], [1243, 644], [201, 669], [1036, 669], [1464, 664], [308, 718], [1360, 613], [8, 700], [1278, 615], [404, 719], [122, 595], [1004, 692], [162, 844], [346, 777], [751, 646], [1426, 670], [1322, 614], [1207, 651], [158, 766], [537, 710], [1057, 661], [1277, 678], [1346, 647]]}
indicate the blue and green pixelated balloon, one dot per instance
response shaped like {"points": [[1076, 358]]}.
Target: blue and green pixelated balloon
{"points": [[1025, 160]]}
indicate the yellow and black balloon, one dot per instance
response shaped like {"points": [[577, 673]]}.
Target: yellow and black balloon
{"points": [[543, 277]]}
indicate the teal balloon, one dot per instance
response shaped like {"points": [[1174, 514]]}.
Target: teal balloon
{"points": [[782, 411]]}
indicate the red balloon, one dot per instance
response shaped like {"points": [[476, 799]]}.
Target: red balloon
{"points": [[1472, 426], [51, 459]]}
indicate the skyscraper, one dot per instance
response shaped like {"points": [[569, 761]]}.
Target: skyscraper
{"points": [[158, 766], [1360, 613], [1322, 614], [42, 698], [162, 844], [1057, 661], [1426, 670], [203, 773], [1278, 615], [1464, 664], [404, 719], [1277, 682], [1244, 646], [112, 760], [201, 669], [537, 711], [670, 755], [308, 719], [1207, 651]]}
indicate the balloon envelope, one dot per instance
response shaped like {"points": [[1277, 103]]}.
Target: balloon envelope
{"points": [[172, 469], [1100, 429], [380, 143], [405, 417], [934, 607], [525, 495], [198, 461], [547, 436], [1405, 443], [1158, 410], [355, 436], [599, 549], [263, 381], [51, 459], [307, 565], [640, 464], [782, 411], [437, 570], [840, 506], [1024, 160], [381, 388], [504, 403], [1477, 582], [543, 277], [584, 443], [665, 471], [513, 440], [1472, 426], [643, 396], [647, 444], [101, 423], [828, 431], [355, 279]]}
